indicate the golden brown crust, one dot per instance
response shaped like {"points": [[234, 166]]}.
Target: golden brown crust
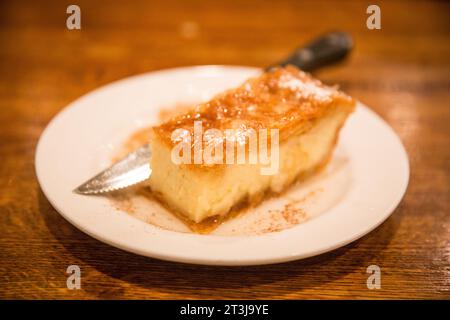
{"points": [[285, 98]]}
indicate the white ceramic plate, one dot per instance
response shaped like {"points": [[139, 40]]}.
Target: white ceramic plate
{"points": [[360, 188]]}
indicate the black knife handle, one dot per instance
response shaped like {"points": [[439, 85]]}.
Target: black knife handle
{"points": [[327, 49]]}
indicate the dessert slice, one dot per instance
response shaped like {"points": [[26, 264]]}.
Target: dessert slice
{"points": [[301, 118]]}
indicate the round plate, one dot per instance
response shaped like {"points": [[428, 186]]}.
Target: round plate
{"points": [[372, 174]]}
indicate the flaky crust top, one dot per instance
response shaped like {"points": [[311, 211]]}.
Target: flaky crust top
{"points": [[284, 98]]}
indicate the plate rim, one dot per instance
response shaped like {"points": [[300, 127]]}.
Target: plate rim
{"points": [[219, 262]]}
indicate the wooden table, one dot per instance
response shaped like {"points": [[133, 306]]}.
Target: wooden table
{"points": [[401, 71]]}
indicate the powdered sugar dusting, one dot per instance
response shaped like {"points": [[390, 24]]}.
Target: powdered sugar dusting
{"points": [[306, 88]]}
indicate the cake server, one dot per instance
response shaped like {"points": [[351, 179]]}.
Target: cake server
{"points": [[135, 167]]}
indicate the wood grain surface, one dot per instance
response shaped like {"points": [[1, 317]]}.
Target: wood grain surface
{"points": [[402, 71]]}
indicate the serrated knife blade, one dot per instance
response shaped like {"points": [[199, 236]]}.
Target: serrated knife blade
{"points": [[132, 169]]}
